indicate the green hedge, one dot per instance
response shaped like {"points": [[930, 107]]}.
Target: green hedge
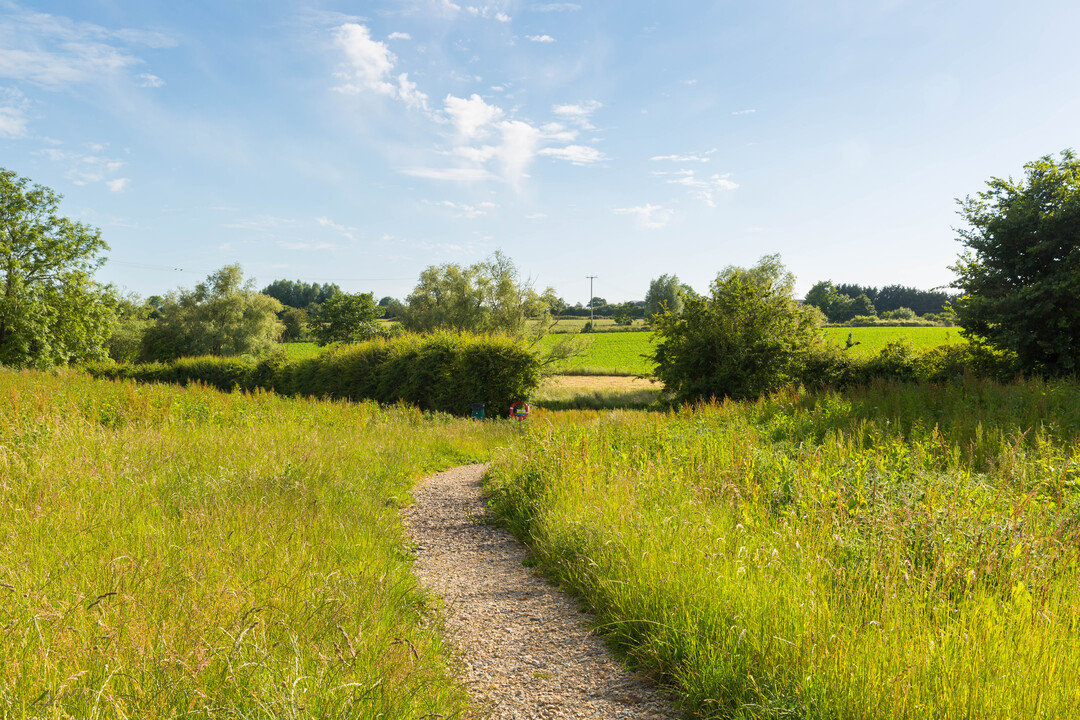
{"points": [[447, 372]]}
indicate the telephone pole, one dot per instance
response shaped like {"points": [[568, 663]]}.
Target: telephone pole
{"points": [[591, 278]]}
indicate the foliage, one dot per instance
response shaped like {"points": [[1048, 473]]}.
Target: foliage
{"points": [[749, 337], [221, 316], [243, 558], [898, 551], [298, 294], [444, 372], [666, 294], [893, 297], [1021, 272], [482, 298], [295, 325], [51, 310], [133, 319], [392, 308], [837, 306], [346, 317]]}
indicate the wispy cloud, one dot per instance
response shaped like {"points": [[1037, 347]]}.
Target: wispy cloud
{"points": [[580, 113], [558, 7], [682, 158], [118, 185], [13, 106], [459, 174], [648, 216], [576, 154], [56, 52], [702, 188], [261, 223], [148, 80], [743, 112], [488, 11], [84, 169], [305, 245], [469, 211], [347, 232], [540, 38], [399, 36], [471, 116]]}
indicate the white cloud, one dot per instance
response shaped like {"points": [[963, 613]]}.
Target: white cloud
{"points": [[306, 245], [682, 158], [456, 174], [743, 112], [148, 80], [368, 68], [118, 185], [704, 189], [558, 7], [87, 169], [502, 17], [577, 154], [399, 36], [471, 116], [345, 231], [55, 51], [13, 105], [580, 113], [540, 38], [469, 211], [536, 216], [519, 145], [648, 216]]}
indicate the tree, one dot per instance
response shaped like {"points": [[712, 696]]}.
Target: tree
{"points": [[222, 316], [1020, 275], [297, 294], [747, 338], [346, 317], [665, 294], [486, 297], [51, 309]]}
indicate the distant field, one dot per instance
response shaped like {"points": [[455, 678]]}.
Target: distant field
{"points": [[620, 353], [872, 339], [575, 324]]}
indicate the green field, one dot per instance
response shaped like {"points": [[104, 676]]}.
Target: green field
{"points": [[872, 339], [172, 552], [892, 552]]}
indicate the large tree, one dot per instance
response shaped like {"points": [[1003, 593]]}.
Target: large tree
{"points": [[1020, 275], [489, 296], [51, 309], [747, 338], [666, 294], [222, 316], [346, 317]]}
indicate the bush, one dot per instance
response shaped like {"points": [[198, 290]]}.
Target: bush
{"points": [[444, 372]]}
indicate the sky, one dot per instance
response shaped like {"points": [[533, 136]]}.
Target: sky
{"points": [[359, 142]]}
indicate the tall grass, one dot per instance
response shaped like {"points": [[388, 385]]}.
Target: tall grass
{"points": [[169, 552], [893, 552]]}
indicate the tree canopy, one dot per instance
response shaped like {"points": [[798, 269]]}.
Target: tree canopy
{"points": [[51, 309], [488, 296], [1020, 274], [222, 316], [748, 337], [666, 293], [299, 294], [346, 317]]}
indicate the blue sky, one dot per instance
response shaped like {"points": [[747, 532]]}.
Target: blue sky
{"points": [[358, 143]]}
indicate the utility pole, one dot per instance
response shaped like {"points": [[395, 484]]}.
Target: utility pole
{"points": [[591, 278]]}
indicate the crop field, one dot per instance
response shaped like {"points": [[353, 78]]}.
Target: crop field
{"points": [[175, 552], [870, 340], [609, 354], [893, 552]]}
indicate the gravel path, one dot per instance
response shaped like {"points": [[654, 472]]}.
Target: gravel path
{"points": [[524, 646]]}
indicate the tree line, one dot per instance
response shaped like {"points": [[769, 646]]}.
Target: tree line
{"points": [[1018, 292]]}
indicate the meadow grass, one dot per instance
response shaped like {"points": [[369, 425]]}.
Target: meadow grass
{"points": [[173, 552], [611, 353], [892, 552]]}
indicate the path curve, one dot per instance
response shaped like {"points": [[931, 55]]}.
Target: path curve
{"points": [[524, 646]]}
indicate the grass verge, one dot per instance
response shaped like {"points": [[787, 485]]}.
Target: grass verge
{"points": [[173, 552], [899, 551]]}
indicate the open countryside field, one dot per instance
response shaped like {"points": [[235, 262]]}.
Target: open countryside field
{"points": [[621, 353], [171, 552], [893, 552]]}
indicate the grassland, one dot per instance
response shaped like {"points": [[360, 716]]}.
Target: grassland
{"points": [[894, 552], [174, 552], [870, 340]]}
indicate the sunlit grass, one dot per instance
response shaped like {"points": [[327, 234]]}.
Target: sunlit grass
{"points": [[870, 340], [895, 552], [171, 552]]}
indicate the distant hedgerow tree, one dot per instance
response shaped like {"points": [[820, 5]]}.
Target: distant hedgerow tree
{"points": [[346, 317], [749, 336], [1020, 276]]}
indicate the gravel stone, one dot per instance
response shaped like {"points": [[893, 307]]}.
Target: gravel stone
{"points": [[523, 647]]}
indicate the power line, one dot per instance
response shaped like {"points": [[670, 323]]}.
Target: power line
{"points": [[591, 278]]}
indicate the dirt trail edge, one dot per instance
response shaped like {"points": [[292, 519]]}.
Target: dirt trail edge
{"points": [[524, 646]]}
